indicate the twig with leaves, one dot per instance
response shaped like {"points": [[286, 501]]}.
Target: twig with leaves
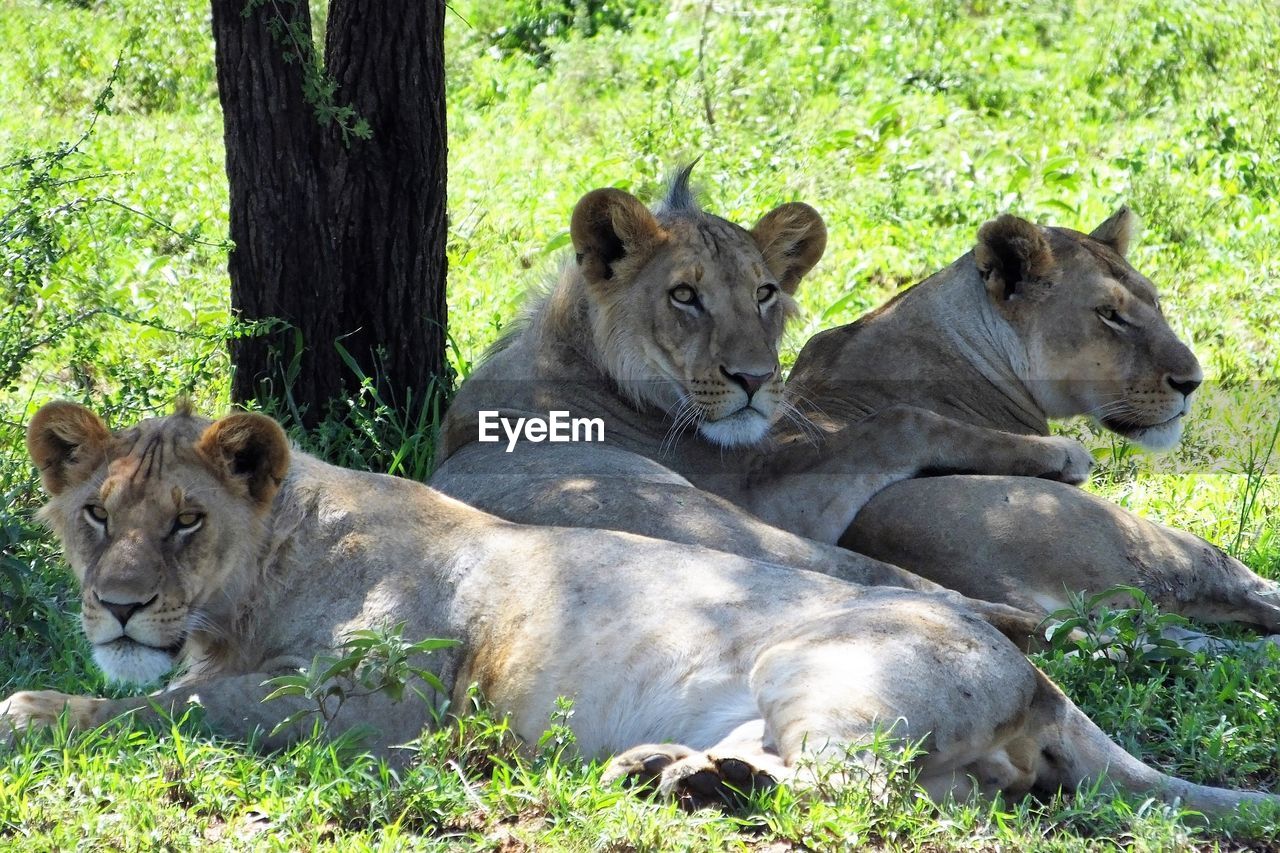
{"points": [[373, 661]]}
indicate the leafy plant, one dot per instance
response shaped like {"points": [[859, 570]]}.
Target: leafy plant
{"points": [[319, 89], [559, 734], [33, 238], [370, 661], [1132, 639]]}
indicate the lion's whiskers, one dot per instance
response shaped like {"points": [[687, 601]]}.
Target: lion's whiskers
{"points": [[811, 432], [688, 414]]}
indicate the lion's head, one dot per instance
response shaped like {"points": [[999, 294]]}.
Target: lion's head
{"points": [[1093, 338], [158, 522], [687, 309]]}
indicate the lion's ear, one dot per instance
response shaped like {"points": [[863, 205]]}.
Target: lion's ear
{"points": [[1011, 254], [249, 452], [612, 229], [1117, 231], [68, 443], [792, 239]]}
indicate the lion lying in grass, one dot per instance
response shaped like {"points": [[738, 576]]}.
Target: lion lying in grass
{"points": [[1035, 323], [667, 329], [209, 546]]}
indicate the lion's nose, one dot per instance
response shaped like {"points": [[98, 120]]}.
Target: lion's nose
{"points": [[749, 382], [123, 611], [1184, 384]]}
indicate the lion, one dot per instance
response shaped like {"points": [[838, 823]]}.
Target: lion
{"points": [[1036, 323], [666, 326], [210, 554]]}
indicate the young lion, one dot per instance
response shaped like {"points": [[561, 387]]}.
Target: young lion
{"points": [[1035, 323], [667, 329], [209, 546]]}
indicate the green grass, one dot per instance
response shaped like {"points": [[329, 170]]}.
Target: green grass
{"points": [[906, 122]]}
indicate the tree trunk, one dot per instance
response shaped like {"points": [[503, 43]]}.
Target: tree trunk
{"points": [[342, 239]]}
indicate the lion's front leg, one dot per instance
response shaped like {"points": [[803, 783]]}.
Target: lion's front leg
{"points": [[31, 709], [232, 706], [817, 490], [28, 710]]}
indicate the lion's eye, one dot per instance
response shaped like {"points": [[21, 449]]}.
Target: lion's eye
{"points": [[1112, 317], [187, 521], [683, 294], [765, 293], [96, 513]]}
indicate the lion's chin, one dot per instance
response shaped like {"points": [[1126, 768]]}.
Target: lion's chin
{"points": [[1156, 438], [743, 427], [129, 662]]}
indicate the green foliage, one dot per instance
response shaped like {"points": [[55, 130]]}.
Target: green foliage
{"points": [[1256, 466], [1132, 639], [38, 211], [370, 662], [533, 26], [59, 54], [366, 430], [476, 741], [164, 75], [286, 24], [21, 612], [1213, 718], [559, 735], [888, 802]]}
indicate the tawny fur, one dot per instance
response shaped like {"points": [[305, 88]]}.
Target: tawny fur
{"points": [[1011, 361]]}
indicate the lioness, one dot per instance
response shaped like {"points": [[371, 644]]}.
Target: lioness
{"points": [[209, 546], [667, 327], [1035, 323]]}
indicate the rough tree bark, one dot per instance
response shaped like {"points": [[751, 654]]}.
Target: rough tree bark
{"points": [[342, 239]]}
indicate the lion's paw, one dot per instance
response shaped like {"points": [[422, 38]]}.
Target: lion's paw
{"points": [[642, 766], [703, 780], [35, 708], [1074, 461], [694, 779]]}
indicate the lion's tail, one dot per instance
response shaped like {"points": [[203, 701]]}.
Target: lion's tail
{"points": [[1075, 752]]}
